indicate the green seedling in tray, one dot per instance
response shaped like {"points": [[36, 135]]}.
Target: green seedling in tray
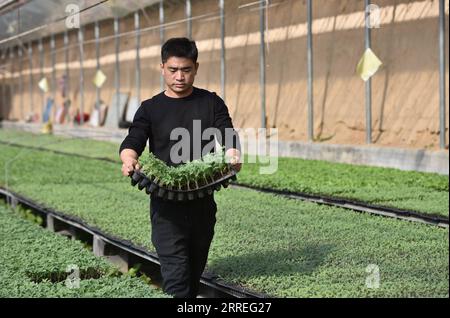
{"points": [[196, 178]]}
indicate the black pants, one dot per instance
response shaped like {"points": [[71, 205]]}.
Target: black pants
{"points": [[182, 233]]}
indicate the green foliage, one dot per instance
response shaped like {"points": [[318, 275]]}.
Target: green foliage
{"points": [[38, 263], [289, 248], [283, 247], [84, 146], [134, 272], [192, 174], [411, 190], [28, 215], [417, 191]]}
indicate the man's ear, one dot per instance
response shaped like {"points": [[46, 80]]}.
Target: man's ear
{"points": [[196, 67], [162, 68]]}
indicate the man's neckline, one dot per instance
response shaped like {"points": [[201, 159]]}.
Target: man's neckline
{"points": [[180, 98]]}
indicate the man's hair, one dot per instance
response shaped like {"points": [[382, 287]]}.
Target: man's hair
{"points": [[179, 47]]}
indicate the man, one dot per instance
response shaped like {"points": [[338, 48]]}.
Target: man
{"points": [[181, 231]]}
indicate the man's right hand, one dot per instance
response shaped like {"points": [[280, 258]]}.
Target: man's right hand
{"points": [[129, 162], [129, 167]]}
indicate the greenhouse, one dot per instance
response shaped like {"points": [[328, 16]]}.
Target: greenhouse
{"points": [[309, 159]]}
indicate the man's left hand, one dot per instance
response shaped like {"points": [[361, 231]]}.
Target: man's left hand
{"points": [[233, 156]]}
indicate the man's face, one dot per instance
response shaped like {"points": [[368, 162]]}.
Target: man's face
{"points": [[179, 74]]}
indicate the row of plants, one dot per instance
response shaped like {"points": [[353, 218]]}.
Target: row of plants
{"points": [[189, 181], [76, 145], [267, 243], [39, 263], [417, 191], [192, 175]]}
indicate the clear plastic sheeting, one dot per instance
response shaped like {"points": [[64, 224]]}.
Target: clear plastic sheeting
{"points": [[39, 18]]}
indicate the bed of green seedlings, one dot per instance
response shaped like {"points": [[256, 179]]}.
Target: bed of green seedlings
{"points": [[191, 175], [39, 263], [264, 242], [422, 192], [84, 146]]}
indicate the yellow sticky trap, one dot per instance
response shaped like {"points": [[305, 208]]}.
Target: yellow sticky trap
{"points": [[99, 79], [47, 128], [368, 65], [43, 85]]}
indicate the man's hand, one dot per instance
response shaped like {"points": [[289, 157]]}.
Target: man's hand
{"points": [[129, 167], [129, 162], [233, 156]]}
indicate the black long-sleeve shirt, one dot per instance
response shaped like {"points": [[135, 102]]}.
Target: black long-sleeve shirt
{"points": [[157, 117]]}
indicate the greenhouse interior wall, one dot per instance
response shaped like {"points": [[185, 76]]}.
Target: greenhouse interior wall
{"points": [[405, 90]]}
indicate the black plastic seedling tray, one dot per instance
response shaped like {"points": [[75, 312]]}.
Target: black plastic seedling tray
{"points": [[152, 185]]}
